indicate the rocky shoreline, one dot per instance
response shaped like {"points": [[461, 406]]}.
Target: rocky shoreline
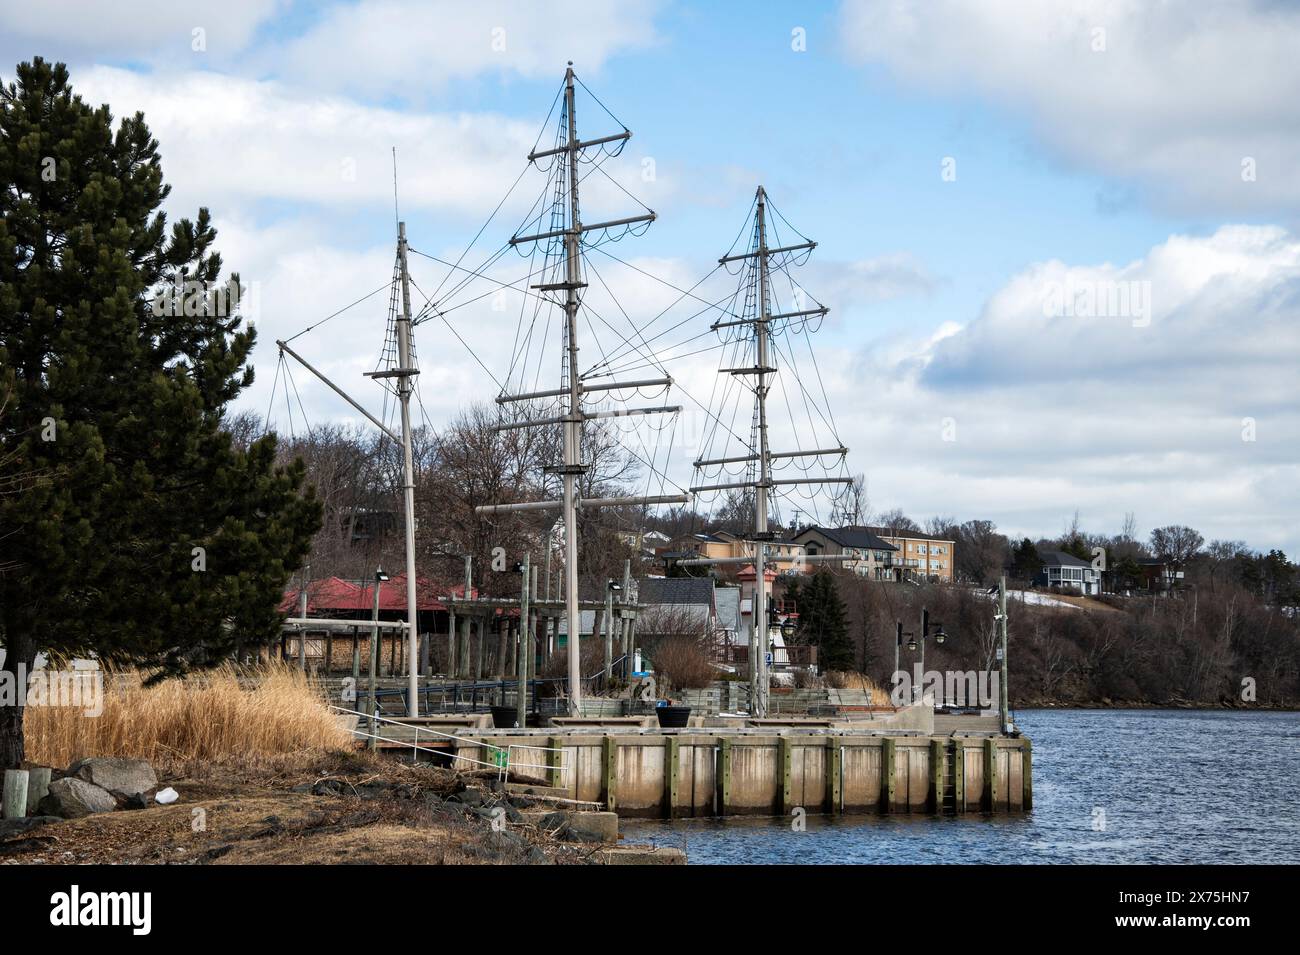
{"points": [[343, 808]]}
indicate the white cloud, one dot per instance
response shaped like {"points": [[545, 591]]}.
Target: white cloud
{"points": [[1179, 97], [404, 48], [1054, 412], [155, 30]]}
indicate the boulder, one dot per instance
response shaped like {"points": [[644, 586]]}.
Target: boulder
{"points": [[117, 774], [72, 798]]}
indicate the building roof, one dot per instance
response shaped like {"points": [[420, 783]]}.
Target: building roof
{"points": [[852, 536], [336, 594], [1059, 558], [675, 590]]}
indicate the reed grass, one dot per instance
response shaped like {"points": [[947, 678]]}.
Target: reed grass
{"points": [[226, 715]]}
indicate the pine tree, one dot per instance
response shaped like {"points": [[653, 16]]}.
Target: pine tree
{"points": [[823, 622], [133, 529]]}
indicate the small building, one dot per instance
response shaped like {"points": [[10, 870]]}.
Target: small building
{"points": [[1159, 575], [1062, 571]]}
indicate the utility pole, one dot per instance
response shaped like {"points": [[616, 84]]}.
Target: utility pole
{"points": [[761, 456], [525, 638], [573, 389], [1003, 707], [609, 630]]}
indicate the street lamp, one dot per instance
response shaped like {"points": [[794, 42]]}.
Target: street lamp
{"points": [[916, 641]]}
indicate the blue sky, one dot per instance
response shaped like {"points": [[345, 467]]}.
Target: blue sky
{"points": [[1093, 143]]}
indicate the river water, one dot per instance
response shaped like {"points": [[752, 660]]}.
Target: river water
{"points": [[1110, 786]]}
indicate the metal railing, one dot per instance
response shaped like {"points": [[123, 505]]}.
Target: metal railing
{"points": [[501, 756]]}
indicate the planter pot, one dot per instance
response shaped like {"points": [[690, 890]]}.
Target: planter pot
{"points": [[673, 717], [505, 717]]}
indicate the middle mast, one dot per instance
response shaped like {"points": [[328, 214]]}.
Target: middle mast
{"points": [[568, 227]]}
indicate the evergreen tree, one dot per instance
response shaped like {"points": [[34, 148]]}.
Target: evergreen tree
{"points": [[823, 622], [1025, 562], [132, 529]]}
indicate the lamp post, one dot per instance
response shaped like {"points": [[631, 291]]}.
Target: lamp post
{"points": [[525, 645], [380, 577], [913, 644], [610, 589]]}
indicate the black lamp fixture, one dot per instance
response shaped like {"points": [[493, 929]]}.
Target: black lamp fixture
{"points": [[787, 628], [380, 576], [911, 641]]}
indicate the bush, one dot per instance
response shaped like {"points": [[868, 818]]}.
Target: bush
{"points": [[682, 663]]}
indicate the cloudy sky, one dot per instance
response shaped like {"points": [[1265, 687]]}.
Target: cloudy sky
{"points": [[1059, 239]]}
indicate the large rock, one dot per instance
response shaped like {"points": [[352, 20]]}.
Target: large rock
{"points": [[72, 798], [120, 776]]}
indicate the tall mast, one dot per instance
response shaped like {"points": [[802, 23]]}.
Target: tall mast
{"points": [[761, 455], [764, 468], [573, 421], [406, 371], [572, 393]]}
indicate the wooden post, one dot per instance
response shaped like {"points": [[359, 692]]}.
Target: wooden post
{"points": [[452, 672], [557, 761], [672, 770], [356, 662], [990, 775], [887, 782], [834, 772], [724, 775], [785, 760], [938, 757], [329, 651], [38, 786], [1027, 771], [959, 773], [480, 648], [15, 794], [503, 650], [611, 768]]}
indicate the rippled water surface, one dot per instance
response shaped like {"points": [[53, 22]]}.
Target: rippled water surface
{"points": [[1110, 786]]}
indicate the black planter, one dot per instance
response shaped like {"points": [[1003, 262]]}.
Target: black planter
{"points": [[505, 717], [673, 717]]}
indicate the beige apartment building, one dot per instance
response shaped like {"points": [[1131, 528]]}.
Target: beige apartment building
{"points": [[880, 554], [920, 557]]}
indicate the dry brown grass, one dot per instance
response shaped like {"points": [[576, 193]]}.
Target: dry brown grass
{"points": [[222, 716], [848, 680]]}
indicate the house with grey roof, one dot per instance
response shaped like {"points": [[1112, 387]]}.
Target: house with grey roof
{"points": [[1062, 571]]}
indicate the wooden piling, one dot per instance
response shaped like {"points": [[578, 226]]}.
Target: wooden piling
{"points": [[959, 773], [784, 761], [38, 786], [938, 757], [888, 765], [611, 769], [672, 772], [1027, 772], [834, 773], [724, 775], [990, 775], [15, 794], [557, 761]]}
